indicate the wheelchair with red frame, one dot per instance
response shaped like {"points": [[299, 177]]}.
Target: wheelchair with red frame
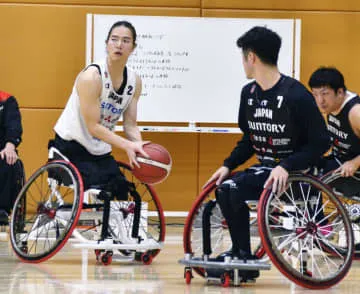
{"points": [[347, 189], [52, 207], [304, 231]]}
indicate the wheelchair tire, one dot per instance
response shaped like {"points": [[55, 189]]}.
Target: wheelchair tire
{"points": [[46, 211], [220, 237], [298, 231]]}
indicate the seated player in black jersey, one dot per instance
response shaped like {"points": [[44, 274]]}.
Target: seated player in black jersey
{"points": [[342, 109], [281, 125], [10, 138]]}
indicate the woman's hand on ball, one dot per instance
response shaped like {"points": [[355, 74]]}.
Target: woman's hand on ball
{"points": [[135, 149]]}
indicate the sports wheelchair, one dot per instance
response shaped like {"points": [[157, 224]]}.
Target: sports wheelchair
{"points": [[304, 231], [52, 207], [348, 191]]}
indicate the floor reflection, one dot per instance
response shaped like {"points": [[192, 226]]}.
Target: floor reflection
{"points": [[76, 271]]}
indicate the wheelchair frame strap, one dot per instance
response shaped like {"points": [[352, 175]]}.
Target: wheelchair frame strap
{"points": [[106, 197], [137, 210], [206, 226]]}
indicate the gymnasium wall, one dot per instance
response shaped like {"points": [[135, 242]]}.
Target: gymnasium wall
{"points": [[43, 48]]}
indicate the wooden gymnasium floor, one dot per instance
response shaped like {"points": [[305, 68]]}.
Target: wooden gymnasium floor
{"points": [[73, 271]]}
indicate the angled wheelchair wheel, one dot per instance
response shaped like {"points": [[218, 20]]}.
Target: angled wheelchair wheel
{"points": [[151, 223], [350, 201], [46, 211], [220, 241], [306, 233]]}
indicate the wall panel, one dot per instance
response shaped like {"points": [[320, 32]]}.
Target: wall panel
{"points": [[37, 126], [46, 49], [322, 5], [213, 149], [153, 3]]}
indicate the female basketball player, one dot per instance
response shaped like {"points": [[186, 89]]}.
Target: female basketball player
{"points": [[103, 92]]}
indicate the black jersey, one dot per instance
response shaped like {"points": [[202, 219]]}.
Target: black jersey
{"points": [[281, 125], [346, 144], [10, 120]]}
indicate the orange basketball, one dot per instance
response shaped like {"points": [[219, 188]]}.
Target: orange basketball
{"points": [[156, 168]]}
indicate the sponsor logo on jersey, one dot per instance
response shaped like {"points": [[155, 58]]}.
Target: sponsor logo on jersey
{"points": [[264, 103], [334, 120], [341, 144], [280, 141], [267, 127], [258, 138], [113, 96], [250, 101], [108, 106], [337, 132], [263, 112]]}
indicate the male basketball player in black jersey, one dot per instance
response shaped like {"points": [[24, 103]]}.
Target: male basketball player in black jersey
{"points": [[342, 109], [281, 125]]}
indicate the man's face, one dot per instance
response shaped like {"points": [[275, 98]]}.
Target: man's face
{"points": [[247, 64], [327, 99]]}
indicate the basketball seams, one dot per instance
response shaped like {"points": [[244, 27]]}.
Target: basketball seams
{"points": [[167, 167], [155, 168], [157, 148]]}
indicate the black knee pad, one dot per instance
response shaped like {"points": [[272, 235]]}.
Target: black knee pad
{"points": [[228, 193], [222, 194]]}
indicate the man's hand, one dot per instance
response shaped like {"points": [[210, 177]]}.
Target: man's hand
{"points": [[277, 178], [135, 148], [9, 153], [218, 176], [348, 168]]}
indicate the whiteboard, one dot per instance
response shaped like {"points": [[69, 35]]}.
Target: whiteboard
{"points": [[191, 67]]}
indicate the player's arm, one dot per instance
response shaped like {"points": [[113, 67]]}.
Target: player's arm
{"points": [[89, 88], [243, 149], [312, 132], [349, 168], [313, 138], [131, 129]]}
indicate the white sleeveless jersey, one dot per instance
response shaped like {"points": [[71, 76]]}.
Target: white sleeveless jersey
{"points": [[112, 103]]}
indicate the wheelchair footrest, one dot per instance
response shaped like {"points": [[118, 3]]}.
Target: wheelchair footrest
{"points": [[240, 280], [226, 265], [110, 245]]}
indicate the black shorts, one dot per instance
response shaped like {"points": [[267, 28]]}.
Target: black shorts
{"points": [[10, 183], [247, 185], [97, 171]]}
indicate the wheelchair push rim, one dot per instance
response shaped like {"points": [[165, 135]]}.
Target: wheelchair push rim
{"points": [[296, 226]]}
